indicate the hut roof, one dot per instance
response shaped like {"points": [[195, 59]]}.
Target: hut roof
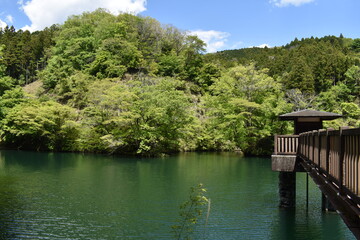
{"points": [[309, 114]]}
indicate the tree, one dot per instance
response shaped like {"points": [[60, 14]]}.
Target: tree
{"points": [[234, 114], [299, 100], [72, 90], [6, 83], [40, 126], [208, 73], [171, 65], [355, 46], [194, 47], [148, 116], [331, 100], [191, 211], [2, 64], [11, 98], [300, 76], [352, 80]]}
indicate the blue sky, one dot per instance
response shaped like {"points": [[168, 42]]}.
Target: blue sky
{"points": [[222, 24]]}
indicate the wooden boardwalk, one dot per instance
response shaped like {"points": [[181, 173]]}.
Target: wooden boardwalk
{"points": [[332, 158]]}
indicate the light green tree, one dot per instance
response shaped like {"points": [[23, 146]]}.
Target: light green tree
{"points": [[146, 116], [352, 80], [2, 64], [190, 213], [41, 126], [241, 110]]}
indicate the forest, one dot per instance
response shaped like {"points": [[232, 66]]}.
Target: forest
{"points": [[130, 85]]}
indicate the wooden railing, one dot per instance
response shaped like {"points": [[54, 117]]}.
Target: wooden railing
{"points": [[336, 153], [286, 144]]}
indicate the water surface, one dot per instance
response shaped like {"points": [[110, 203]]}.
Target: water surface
{"points": [[83, 196]]}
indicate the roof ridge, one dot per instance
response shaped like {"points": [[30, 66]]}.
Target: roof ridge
{"points": [[310, 113]]}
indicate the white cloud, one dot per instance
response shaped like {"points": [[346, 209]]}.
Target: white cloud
{"points": [[2, 24], [264, 45], [214, 40], [285, 3], [261, 46], [44, 13], [9, 19]]}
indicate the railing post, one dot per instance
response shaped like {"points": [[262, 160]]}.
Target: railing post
{"points": [[275, 144], [308, 145], [314, 145], [319, 148], [341, 158], [328, 149]]}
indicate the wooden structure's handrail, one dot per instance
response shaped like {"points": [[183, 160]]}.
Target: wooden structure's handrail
{"points": [[337, 154], [286, 144]]}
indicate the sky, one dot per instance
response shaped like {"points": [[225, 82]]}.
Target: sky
{"points": [[222, 24]]}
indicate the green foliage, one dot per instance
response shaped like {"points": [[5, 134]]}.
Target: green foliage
{"points": [[331, 100], [208, 74], [108, 117], [72, 90], [171, 65], [108, 46], [147, 116], [43, 126], [10, 99], [2, 64], [311, 65], [114, 58], [237, 114], [190, 212], [356, 45], [131, 85], [6, 83], [350, 110], [352, 80], [23, 53], [300, 76]]}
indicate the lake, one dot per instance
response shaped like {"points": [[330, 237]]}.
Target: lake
{"points": [[85, 196]]}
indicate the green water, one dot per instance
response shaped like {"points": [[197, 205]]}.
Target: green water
{"points": [[78, 196]]}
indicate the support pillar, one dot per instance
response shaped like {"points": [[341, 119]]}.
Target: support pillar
{"points": [[326, 204], [287, 189]]}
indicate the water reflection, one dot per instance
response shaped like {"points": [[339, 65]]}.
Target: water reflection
{"points": [[109, 197], [9, 206], [308, 223]]}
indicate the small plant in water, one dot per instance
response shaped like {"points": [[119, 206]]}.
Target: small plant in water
{"points": [[190, 212]]}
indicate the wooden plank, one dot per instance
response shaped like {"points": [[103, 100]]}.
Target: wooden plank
{"points": [[346, 160], [348, 171], [357, 144], [327, 151], [357, 165], [279, 145], [352, 164], [347, 164], [323, 152]]}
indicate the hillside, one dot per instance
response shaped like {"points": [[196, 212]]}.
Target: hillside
{"points": [[130, 85], [312, 64]]}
